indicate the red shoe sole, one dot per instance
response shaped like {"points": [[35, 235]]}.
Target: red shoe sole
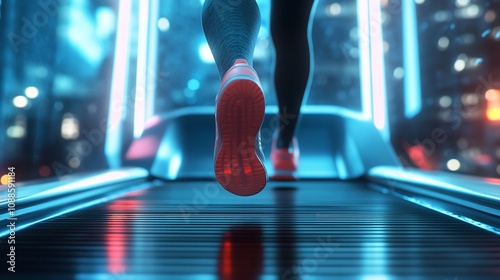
{"points": [[240, 112]]}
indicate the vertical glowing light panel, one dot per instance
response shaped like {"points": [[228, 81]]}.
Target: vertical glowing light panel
{"points": [[146, 64], [146, 59], [141, 83], [378, 69], [118, 86], [151, 72], [411, 56], [371, 60], [364, 57]]}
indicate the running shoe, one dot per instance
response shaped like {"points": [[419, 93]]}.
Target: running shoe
{"points": [[239, 113], [285, 161]]}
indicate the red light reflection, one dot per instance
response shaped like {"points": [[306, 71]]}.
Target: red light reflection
{"points": [[116, 237], [153, 121], [492, 181], [145, 147], [418, 155], [226, 260], [241, 254], [116, 245]]}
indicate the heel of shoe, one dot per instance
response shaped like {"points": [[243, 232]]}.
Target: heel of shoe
{"points": [[240, 113]]}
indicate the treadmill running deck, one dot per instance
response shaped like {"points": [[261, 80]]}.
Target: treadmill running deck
{"points": [[300, 230]]}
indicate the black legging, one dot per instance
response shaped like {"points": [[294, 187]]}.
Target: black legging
{"points": [[231, 28]]}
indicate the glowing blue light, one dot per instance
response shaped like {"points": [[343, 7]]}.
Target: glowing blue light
{"points": [[175, 165], [119, 84], [486, 33], [376, 277], [364, 57], [141, 78], [163, 24], [193, 84], [413, 91], [497, 35], [206, 54], [74, 207], [379, 94], [111, 176], [106, 22], [20, 101], [31, 92]]}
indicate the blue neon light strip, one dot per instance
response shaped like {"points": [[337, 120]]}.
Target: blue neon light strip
{"points": [[379, 94], [364, 57], [412, 86], [119, 83], [151, 75], [141, 85]]}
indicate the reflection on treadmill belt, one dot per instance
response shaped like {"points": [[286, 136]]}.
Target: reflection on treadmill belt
{"points": [[301, 230]]}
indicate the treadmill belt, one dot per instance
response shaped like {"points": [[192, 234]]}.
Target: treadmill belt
{"points": [[299, 230]]}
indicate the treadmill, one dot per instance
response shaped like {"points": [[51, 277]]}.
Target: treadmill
{"points": [[158, 213], [162, 215]]}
